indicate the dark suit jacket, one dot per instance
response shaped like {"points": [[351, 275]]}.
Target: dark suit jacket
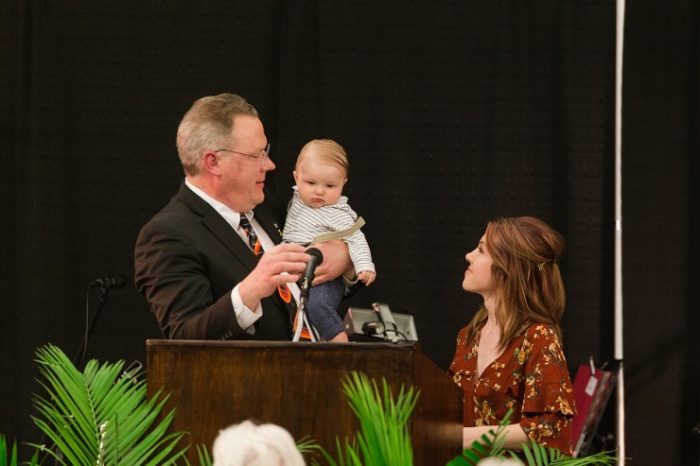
{"points": [[187, 261]]}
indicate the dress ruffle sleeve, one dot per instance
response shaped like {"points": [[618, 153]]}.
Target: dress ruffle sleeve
{"points": [[548, 401]]}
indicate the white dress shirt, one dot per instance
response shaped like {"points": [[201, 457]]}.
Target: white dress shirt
{"points": [[245, 316]]}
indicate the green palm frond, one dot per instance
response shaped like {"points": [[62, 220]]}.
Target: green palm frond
{"points": [[203, 456], [538, 455], [383, 437], [9, 457], [6, 460], [489, 445], [534, 453], [99, 417], [309, 449], [347, 454]]}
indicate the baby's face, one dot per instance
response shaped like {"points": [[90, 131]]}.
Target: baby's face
{"points": [[319, 183]]}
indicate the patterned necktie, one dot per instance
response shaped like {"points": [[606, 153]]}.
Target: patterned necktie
{"points": [[250, 233], [283, 290]]}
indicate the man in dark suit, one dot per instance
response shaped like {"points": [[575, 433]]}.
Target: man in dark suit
{"points": [[194, 260]]}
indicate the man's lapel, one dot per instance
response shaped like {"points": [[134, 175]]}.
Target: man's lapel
{"points": [[218, 227], [267, 220]]}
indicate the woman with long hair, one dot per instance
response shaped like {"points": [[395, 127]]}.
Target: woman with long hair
{"points": [[510, 355]]}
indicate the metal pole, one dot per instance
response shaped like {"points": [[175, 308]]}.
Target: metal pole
{"points": [[619, 36]]}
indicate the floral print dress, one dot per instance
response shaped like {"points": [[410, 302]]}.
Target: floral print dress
{"points": [[530, 376]]}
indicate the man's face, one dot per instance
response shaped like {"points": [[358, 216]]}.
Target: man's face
{"points": [[244, 165]]}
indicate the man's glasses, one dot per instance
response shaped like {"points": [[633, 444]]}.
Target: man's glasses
{"points": [[265, 153]]}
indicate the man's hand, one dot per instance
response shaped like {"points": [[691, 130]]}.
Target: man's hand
{"points": [[282, 264], [336, 261]]}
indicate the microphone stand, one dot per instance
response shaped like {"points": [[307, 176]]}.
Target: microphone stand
{"points": [[82, 349], [303, 320], [101, 300]]}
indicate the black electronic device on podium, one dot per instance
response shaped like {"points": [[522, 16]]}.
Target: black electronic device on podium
{"points": [[380, 324]]}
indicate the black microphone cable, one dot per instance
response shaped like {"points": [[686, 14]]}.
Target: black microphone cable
{"points": [[104, 284]]}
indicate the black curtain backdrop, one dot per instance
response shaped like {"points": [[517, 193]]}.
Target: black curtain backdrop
{"points": [[453, 113]]}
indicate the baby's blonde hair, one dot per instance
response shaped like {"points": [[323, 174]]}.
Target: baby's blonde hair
{"points": [[325, 150]]}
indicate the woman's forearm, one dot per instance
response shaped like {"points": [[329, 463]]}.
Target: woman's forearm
{"points": [[514, 435]]}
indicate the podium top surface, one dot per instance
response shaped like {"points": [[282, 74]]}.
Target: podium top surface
{"points": [[306, 345]]}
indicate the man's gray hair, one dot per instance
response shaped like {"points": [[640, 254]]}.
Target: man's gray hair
{"points": [[208, 123]]}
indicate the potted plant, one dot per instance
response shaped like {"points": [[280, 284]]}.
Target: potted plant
{"points": [[99, 416], [383, 438]]}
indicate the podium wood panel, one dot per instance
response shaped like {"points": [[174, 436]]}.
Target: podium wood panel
{"points": [[214, 384]]}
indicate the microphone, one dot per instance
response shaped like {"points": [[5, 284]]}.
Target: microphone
{"points": [[315, 261], [106, 283]]}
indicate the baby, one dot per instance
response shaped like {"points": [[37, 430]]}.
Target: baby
{"points": [[317, 208]]}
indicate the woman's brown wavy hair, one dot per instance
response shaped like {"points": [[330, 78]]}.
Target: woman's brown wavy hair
{"points": [[525, 274]]}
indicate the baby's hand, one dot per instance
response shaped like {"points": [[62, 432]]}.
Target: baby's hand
{"points": [[366, 277]]}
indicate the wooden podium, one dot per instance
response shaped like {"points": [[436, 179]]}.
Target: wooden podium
{"points": [[214, 384]]}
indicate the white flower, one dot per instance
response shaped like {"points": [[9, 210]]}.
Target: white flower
{"points": [[248, 444]]}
